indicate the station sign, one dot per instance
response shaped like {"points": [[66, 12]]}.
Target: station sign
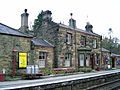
{"points": [[23, 58]]}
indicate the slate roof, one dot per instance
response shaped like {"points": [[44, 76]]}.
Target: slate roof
{"points": [[105, 50], [79, 30], [115, 55], [112, 54], [4, 29], [41, 42]]}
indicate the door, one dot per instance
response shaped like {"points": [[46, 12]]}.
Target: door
{"points": [[113, 62], [92, 59]]}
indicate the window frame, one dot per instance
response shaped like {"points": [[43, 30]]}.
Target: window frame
{"points": [[94, 43], [87, 62], [83, 41], [79, 62], [42, 58], [68, 58], [69, 38]]}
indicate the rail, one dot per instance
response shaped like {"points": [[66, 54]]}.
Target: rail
{"points": [[104, 84]]}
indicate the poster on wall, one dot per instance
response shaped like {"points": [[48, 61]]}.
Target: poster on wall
{"points": [[22, 59]]}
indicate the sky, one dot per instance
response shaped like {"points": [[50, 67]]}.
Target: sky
{"points": [[102, 14]]}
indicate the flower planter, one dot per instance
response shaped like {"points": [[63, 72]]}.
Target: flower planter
{"points": [[2, 77]]}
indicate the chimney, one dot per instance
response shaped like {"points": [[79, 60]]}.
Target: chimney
{"points": [[24, 21], [47, 15], [89, 27], [72, 22]]}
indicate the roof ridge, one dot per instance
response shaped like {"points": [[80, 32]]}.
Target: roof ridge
{"points": [[77, 29], [48, 42], [7, 26]]}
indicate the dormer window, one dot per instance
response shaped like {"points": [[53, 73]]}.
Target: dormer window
{"points": [[69, 38]]}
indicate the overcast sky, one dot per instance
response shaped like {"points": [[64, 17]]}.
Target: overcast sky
{"points": [[102, 14]]}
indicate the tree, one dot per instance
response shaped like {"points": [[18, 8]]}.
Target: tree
{"points": [[111, 44], [37, 23]]}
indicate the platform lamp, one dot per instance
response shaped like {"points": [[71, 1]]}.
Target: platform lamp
{"points": [[14, 50], [110, 31]]}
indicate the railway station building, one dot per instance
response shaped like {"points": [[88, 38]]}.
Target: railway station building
{"points": [[73, 47], [52, 45]]}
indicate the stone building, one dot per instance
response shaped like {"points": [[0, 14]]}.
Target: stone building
{"points": [[73, 47], [117, 61], [12, 41], [44, 53], [105, 58], [109, 60], [54, 45]]}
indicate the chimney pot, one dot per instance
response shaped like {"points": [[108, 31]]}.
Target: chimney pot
{"points": [[89, 27], [25, 10], [71, 14], [72, 22]]}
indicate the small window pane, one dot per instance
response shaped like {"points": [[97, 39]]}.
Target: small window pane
{"points": [[67, 63], [42, 63]]}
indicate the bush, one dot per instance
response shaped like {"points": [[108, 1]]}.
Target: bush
{"points": [[84, 69], [46, 71], [10, 78], [64, 70], [59, 71]]}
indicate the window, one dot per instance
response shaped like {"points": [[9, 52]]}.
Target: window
{"points": [[42, 59], [87, 59], [97, 59], [83, 41], [81, 59], [68, 58], [69, 38], [94, 43], [32, 45]]}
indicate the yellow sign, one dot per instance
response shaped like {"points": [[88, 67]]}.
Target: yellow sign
{"points": [[22, 60]]}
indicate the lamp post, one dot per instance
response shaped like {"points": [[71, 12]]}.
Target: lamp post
{"points": [[14, 61], [110, 31]]}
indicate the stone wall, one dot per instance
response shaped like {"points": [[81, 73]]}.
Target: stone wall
{"points": [[7, 43], [56, 34], [63, 48], [50, 55]]}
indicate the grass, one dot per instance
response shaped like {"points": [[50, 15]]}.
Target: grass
{"points": [[10, 78]]}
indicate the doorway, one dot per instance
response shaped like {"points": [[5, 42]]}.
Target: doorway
{"points": [[113, 62], [92, 59]]}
